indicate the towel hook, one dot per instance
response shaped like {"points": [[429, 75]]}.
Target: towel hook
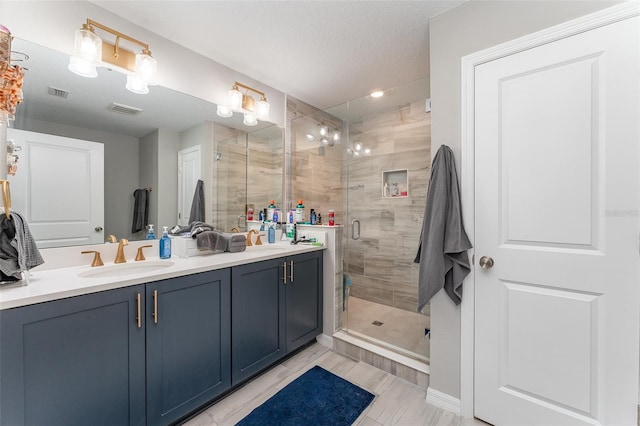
{"points": [[6, 197]]}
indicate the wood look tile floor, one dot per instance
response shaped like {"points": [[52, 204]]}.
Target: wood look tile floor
{"points": [[397, 402]]}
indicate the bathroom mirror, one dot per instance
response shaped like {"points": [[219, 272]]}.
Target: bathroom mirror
{"points": [[100, 109]]}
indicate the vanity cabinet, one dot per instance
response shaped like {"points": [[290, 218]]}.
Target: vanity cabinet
{"points": [[276, 307], [188, 356], [107, 359], [75, 361]]}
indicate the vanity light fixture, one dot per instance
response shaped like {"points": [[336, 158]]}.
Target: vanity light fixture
{"points": [[243, 102], [90, 52]]}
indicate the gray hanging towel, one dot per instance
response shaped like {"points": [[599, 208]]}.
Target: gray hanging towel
{"points": [[18, 253], [140, 210], [197, 205], [442, 252]]}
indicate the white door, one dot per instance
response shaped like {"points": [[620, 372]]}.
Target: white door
{"points": [[189, 164], [557, 201], [59, 187]]}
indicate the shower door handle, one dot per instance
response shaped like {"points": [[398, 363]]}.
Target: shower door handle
{"points": [[354, 235], [242, 224]]}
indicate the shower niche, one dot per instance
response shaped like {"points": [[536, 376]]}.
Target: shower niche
{"points": [[395, 184]]}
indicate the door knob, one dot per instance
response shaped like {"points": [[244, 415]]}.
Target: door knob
{"points": [[486, 262], [98, 229]]}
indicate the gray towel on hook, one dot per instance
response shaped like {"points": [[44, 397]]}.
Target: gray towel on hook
{"points": [[197, 205], [140, 210], [442, 252]]}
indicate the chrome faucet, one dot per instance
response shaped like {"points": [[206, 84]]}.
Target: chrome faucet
{"points": [[120, 255]]}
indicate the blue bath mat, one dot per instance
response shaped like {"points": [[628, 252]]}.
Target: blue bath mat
{"points": [[318, 397]]}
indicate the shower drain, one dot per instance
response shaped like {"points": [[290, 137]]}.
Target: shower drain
{"points": [[378, 323]]}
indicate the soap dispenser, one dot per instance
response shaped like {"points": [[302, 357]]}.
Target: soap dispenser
{"points": [[165, 244], [151, 234]]}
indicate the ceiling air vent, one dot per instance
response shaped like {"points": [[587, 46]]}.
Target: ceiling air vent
{"points": [[59, 93], [124, 109]]}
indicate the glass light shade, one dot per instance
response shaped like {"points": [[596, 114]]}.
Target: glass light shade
{"points": [[323, 130], [81, 67], [249, 119], [224, 111], [335, 136], [367, 151], [310, 137], [234, 100], [262, 111], [324, 141], [358, 146], [137, 85], [146, 68], [88, 46]]}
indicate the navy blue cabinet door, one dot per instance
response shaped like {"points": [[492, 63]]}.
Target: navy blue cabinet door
{"points": [[75, 361], [304, 299], [257, 317], [188, 344]]}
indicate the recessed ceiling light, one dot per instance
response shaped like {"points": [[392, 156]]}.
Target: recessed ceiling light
{"points": [[377, 94]]}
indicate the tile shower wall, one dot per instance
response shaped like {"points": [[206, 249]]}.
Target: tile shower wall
{"points": [[314, 171], [380, 263]]}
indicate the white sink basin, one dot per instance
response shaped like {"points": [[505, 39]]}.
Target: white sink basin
{"points": [[123, 269]]}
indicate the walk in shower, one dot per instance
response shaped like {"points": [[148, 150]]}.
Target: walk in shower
{"points": [[369, 160]]}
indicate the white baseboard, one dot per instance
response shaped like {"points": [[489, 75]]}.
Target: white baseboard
{"points": [[325, 340], [442, 400]]}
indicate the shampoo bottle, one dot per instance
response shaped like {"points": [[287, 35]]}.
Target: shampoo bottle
{"points": [[300, 212], [271, 234], [270, 210], [151, 234], [165, 244]]}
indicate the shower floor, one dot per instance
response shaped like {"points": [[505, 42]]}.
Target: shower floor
{"points": [[393, 328]]}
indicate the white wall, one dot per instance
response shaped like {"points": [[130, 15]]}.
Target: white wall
{"points": [[473, 26]]}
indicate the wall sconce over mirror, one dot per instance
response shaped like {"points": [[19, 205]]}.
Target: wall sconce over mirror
{"points": [[90, 51], [243, 102]]}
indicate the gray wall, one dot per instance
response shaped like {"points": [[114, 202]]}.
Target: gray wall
{"points": [[469, 28]]}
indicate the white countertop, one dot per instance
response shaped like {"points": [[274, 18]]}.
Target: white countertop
{"points": [[53, 284]]}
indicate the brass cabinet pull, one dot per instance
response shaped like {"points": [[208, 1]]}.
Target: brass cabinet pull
{"points": [[284, 272], [139, 317], [291, 276], [155, 306]]}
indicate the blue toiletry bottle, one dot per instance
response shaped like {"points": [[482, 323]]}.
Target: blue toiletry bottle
{"points": [[275, 216], [165, 244], [151, 234], [312, 217], [271, 233]]}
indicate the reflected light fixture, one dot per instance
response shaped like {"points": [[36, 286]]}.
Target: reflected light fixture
{"points": [[90, 52], [243, 102], [376, 94]]}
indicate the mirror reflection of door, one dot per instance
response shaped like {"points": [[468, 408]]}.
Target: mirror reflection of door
{"points": [[189, 165], [59, 187]]}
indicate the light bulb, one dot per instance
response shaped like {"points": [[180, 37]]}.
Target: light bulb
{"points": [[324, 141], [262, 111], [336, 136], [82, 67], [137, 85], [146, 68], [310, 137], [249, 120], [323, 130], [358, 146], [224, 111], [234, 100]]}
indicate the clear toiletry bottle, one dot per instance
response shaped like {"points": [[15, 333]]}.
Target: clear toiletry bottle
{"points": [[165, 244], [312, 217], [151, 234]]}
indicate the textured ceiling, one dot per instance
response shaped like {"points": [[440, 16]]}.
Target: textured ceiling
{"points": [[323, 52]]}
